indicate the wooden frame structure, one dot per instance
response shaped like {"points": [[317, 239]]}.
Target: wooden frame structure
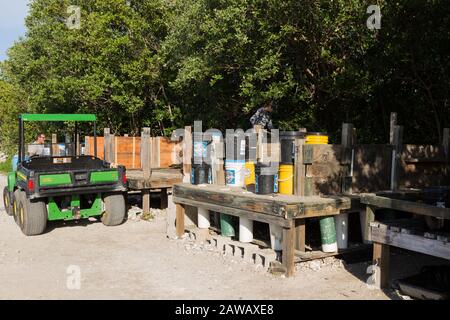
{"points": [[280, 210]]}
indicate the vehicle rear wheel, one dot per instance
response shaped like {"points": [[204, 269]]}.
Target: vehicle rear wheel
{"points": [[17, 195], [115, 209], [32, 216], [7, 201]]}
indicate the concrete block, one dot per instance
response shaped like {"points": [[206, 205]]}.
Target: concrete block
{"points": [[265, 256], [229, 248], [245, 251], [200, 235], [220, 242]]}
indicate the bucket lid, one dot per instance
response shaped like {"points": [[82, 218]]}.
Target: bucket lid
{"points": [[292, 134], [316, 134]]}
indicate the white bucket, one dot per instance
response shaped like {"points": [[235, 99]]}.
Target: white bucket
{"points": [[276, 237], [341, 222], [332, 247], [203, 218], [245, 230], [235, 173]]}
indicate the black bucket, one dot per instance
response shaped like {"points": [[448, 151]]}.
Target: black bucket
{"points": [[200, 173], [287, 142], [265, 183], [235, 146]]}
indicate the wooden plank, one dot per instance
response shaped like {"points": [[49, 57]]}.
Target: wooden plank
{"points": [[288, 250], [146, 153], [159, 178], [369, 217], [187, 153], [407, 206], [381, 259], [235, 212], [55, 149], [393, 123], [300, 235], [180, 220], [164, 198], [283, 205], [397, 144], [413, 242], [146, 200], [445, 141]]}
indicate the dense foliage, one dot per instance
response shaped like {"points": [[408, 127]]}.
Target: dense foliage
{"points": [[165, 63]]}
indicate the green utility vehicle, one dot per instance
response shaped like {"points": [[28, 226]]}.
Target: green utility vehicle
{"points": [[50, 186]]}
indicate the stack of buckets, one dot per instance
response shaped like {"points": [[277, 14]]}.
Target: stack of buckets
{"points": [[235, 176], [327, 224], [201, 174]]}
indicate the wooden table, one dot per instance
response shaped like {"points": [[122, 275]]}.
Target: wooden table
{"points": [[403, 235], [160, 178], [281, 210]]}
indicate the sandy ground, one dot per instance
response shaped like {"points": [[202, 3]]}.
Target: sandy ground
{"points": [[136, 261]]}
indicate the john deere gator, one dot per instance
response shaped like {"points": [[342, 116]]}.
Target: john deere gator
{"points": [[49, 186]]}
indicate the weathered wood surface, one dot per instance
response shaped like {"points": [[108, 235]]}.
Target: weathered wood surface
{"points": [[371, 168], [407, 206], [381, 259], [159, 178], [261, 217], [384, 234], [279, 205]]}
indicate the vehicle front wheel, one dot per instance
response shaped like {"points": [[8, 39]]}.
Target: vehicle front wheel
{"points": [[115, 209], [7, 201], [32, 216]]}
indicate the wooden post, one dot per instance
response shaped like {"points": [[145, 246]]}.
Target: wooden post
{"points": [[187, 153], [134, 153], [164, 198], [155, 154], [369, 217], [288, 250], [180, 220], [55, 149], [445, 141], [87, 146], [259, 148], [347, 156], [77, 144], [393, 123], [381, 259], [108, 146], [299, 190], [396, 154], [116, 158], [146, 167]]}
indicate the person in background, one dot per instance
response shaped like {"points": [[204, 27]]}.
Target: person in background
{"points": [[37, 147], [263, 116]]}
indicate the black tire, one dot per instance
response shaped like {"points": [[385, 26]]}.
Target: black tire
{"points": [[17, 195], [115, 209], [7, 201], [32, 216]]}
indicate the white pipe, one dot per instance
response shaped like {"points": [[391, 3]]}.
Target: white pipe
{"points": [[203, 218], [245, 230]]}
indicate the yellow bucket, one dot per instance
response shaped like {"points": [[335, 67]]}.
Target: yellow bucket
{"points": [[249, 173], [286, 179], [316, 138]]}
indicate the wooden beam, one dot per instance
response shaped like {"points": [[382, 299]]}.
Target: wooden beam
{"points": [[288, 255], [87, 146], [55, 149], [445, 141], [180, 220], [282, 205], [369, 216], [407, 206], [398, 146], [381, 234], [261, 217], [187, 153], [381, 259], [393, 123], [300, 235], [164, 198]]}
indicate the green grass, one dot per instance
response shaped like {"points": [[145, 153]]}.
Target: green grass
{"points": [[6, 166]]}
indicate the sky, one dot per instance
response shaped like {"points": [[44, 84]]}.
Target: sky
{"points": [[12, 23]]}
